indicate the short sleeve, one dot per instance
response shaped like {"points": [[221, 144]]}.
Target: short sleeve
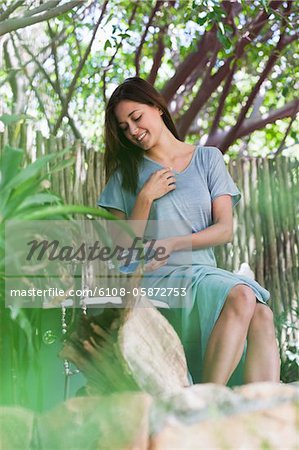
{"points": [[219, 180], [112, 195]]}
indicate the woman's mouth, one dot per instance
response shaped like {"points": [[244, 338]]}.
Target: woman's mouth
{"points": [[141, 137]]}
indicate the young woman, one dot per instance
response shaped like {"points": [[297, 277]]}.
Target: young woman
{"points": [[227, 330]]}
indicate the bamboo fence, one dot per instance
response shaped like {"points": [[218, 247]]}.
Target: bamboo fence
{"points": [[265, 220]]}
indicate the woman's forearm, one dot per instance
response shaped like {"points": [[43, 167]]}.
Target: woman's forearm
{"points": [[212, 236], [141, 208], [139, 217]]}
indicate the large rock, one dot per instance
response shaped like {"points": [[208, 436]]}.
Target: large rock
{"points": [[116, 421], [153, 351], [16, 428], [273, 428], [128, 349], [254, 416]]}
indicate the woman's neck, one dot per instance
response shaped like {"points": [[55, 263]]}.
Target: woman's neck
{"points": [[168, 148]]}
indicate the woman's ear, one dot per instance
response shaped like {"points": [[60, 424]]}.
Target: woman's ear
{"points": [[159, 110]]}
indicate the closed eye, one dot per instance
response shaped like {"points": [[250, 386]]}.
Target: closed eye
{"points": [[135, 120]]}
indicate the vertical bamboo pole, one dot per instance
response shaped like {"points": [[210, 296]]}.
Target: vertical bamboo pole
{"points": [[272, 251], [68, 175], [247, 214], [60, 176], [90, 179], [78, 174], [289, 226], [1, 142], [39, 144], [241, 226], [84, 189], [5, 136], [51, 148], [264, 243], [257, 262], [232, 250], [293, 170], [276, 184], [23, 142]]}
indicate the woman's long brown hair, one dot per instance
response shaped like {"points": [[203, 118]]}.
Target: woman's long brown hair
{"points": [[120, 153]]}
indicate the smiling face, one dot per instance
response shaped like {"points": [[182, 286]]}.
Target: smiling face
{"points": [[141, 124]]}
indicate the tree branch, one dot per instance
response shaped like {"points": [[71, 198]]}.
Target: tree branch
{"points": [[54, 54], [158, 56], [78, 71], [30, 81], [150, 20], [293, 116], [228, 6], [206, 90], [201, 56], [54, 86], [184, 70], [13, 81], [223, 97], [109, 65], [13, 24], [270, 63], [43, 7], [253, 124], [10, 10]]}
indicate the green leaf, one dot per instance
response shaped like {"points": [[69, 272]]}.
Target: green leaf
{"points": [[224, 40], [63, 164], [107, 44], [34, 169], [209, 26], [10, 164], [201, 20], [66, 210], [9, 119], [20, 318], [265, 5], [18, 196], [40, 199], [221, 28]]}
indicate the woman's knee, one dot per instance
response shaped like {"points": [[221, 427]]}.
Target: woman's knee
{"points": [[263, 317], [241, 301]]}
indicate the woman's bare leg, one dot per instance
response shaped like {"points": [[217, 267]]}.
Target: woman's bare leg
{"points": [[262, 356], [227, 340]]}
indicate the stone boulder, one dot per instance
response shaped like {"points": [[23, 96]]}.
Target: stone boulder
{"points": [[255, 416], [16, 428]]}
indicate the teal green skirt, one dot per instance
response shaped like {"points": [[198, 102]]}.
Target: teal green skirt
{"points": [[195, 306]]}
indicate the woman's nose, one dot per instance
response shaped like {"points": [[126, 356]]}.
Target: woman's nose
{"points": [[134, 129]]}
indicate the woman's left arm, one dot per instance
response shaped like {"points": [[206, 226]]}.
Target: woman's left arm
{"points": [[220, 232]]}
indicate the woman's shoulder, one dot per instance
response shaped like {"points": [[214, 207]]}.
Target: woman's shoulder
{"points": [[116, 176], [207, 149], [208, 153]]}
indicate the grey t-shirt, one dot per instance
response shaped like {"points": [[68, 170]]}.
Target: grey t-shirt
{"points": [[185, 210]]}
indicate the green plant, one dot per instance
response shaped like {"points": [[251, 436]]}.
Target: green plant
{"points": [[25, 195], [287, 331]]}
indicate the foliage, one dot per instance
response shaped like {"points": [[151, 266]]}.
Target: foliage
{"points": [[25, 195], [227, 69], [287, 330]]}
